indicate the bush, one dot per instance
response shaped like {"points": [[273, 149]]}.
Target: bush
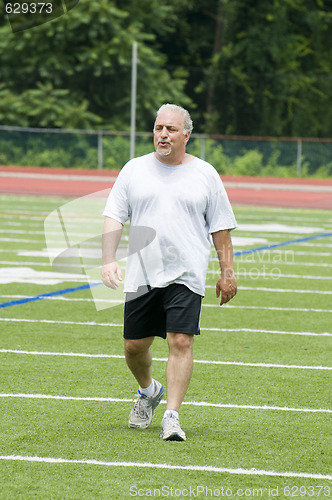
{"points": [[228, 157]]}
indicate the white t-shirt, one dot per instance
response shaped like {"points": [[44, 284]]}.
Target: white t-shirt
{"points": [[172, 211]]}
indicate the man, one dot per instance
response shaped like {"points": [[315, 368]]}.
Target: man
{"points": [[177, 201]]}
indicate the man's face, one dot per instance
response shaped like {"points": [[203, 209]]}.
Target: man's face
{"points": [[169, 140]]}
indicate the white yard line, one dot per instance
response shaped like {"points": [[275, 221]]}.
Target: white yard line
{"points": [[149, 465], [240, 288], [23, 263], [273, 273], [198, 361], [270, 308], [298, 252], [19, 240], [316, 245], [93, 323], [226, 306], [188, 403], [278, 290], [242, 260], [237, 263], [280, 332]]}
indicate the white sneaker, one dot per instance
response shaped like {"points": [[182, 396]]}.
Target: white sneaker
{"points": [[171, 430], [141, 415]]}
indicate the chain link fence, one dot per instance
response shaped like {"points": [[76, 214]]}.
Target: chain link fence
{"points": [[230, 155]]}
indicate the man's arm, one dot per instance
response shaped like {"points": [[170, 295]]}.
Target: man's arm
{"points": [[111, 238], [226, 284]]}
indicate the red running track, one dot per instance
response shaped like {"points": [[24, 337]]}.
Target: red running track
{"points": [[261, 191]]}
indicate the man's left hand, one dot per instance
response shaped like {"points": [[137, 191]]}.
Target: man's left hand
{"points": [[226, 287]]}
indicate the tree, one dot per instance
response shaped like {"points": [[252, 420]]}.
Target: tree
{"points": [[270, 74], [78, 67], [245, 67]]}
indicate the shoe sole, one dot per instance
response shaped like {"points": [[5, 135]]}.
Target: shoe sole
{"points": [[174, 437], [154, 406]]}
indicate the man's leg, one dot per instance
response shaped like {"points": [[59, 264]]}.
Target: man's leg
{"points": [[179, 368], [178, 375], [139, 359]]}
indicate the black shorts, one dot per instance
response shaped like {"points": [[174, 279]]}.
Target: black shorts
{"points": [[174, 308]]}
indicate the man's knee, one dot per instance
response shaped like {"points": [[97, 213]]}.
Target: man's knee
{"points": [[137, 346], [180, 341]]}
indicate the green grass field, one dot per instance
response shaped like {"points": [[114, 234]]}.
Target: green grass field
{"points": [[258, 410]]}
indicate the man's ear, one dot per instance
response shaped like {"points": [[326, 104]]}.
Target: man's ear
{"points": [[186, 137]]}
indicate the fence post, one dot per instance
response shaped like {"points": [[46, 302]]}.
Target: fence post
{"points": [[203, 147], [299, 157], [100, 150]]}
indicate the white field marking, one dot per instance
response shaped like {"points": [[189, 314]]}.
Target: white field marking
{"points": [[268, 237], [188, 403], [199, 468], [280, 332], [54, 252], [278, 263], [22, 240], [46, 252], [15, 211], [64, 299], [42, 233], [25, 214], [22, 231], [23, 218], [305, 220], [269, 308], [311, 254], [29, 275], [17, 240], [226, 306], [44, 264], [288, 253], [264, 258], [89, 178], [314, 188], [242, 241], [93, 323], [259, 273], [20, 224], [198, 361], [24, 263], [316, 245], [278, 290], [274, 227]]}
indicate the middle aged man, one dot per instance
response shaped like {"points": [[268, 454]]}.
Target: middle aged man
{"points": [[175, 201]]}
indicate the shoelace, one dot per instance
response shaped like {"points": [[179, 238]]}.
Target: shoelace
{"points": [[139, 408], [173, 422]]}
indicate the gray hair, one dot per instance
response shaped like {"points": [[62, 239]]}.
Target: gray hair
{"points": [[188, 124]]}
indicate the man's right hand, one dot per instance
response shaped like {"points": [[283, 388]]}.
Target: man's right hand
{"points": [[108, 275]]}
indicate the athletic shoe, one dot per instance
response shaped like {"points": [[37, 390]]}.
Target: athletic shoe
{"points": [[141, 415], [171, 430]]}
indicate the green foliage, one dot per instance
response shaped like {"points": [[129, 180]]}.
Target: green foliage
{"points": [[75, 71], [45, 107], [254, 158], [270, 73], [243, 67]]}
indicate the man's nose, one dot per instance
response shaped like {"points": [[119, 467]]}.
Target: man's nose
{"points": [[164, 132]]}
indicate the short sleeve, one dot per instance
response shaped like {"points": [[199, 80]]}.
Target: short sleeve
{"points": [[117, 205], [219, 213]]}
